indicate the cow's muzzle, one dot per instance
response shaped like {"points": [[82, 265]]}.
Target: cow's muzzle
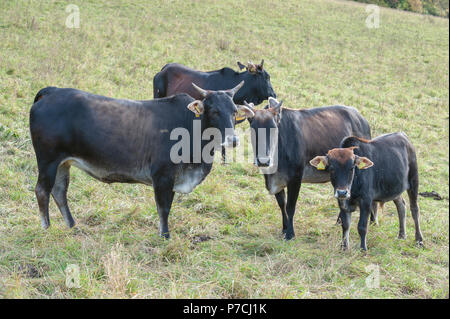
{"points": [[342, 194], [263, 161]]}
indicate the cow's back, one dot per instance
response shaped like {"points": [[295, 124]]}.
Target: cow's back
{"points": [[112, 132], [393, 156], [176, 78], [312, 132]]}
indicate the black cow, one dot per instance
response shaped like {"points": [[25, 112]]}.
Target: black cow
{"points": [[127, 141], [176, 78], [285, 140], [394, 170]]}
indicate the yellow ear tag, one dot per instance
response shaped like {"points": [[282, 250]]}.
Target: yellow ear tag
{"points": [[361, 165], [240, 118], [320, 166], [198, 111]]}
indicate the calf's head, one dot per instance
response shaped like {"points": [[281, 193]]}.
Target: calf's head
{"points": [[341, 164], [258, 86], [219, 111], [264, 133]]}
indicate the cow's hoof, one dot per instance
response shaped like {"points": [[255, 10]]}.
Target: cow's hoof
{"points": [[70, 223], [401, 236], [45, 224], [420, 244], [289, 236], [165, 235]]}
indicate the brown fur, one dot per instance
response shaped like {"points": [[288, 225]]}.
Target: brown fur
{"points": [[342, 155]]}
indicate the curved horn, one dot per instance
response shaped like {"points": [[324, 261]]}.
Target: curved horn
{"points": [[249, 105], [233, 91], [200, 90], [262, 63]]}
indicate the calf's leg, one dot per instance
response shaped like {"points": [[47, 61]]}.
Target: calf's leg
{"points": [[374, 214], [346, 220], [365, 209], [413, 194], [401, 210]]}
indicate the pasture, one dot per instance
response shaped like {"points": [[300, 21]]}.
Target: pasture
{"points": [[226, 235]]}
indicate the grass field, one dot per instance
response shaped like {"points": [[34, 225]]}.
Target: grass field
{"points": [[318, 52]]}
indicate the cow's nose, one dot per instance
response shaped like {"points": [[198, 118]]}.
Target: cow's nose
{"points": [[263, 161], [341, 193]]}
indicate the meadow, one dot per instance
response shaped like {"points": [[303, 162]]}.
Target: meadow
{"points": [[226, 235]]}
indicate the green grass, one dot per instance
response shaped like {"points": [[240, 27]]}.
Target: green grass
{"points": [[318, 53]]}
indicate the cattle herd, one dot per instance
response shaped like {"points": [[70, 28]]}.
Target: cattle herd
{"points": [[129, 141]]}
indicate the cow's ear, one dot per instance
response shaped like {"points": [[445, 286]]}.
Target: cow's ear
{"points": [[363, 162], [319, 162], [245, 112], [196, 107], [240, 65], [275, 107]]}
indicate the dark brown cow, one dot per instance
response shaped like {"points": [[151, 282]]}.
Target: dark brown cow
{"points": [[285, 140]]}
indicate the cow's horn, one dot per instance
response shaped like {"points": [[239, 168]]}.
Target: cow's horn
{"points": [[236, 88], [262, 63], [200, 90]]}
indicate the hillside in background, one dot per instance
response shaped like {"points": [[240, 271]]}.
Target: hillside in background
{"points": [[433, 7]]}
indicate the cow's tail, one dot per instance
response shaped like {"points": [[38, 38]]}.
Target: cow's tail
{"points": [[159, 87], [43, 92]]}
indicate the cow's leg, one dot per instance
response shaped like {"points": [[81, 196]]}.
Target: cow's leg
{"points": [[163, 196], [224, 155], [401, 210], [413, 194], [374, 214], [281, 200], [346, 218], [44, 185], [365, 209], [59, 193], [339, 219], [293, 188]]}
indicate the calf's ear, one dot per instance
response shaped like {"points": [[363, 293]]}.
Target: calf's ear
{"points": [[196, 107], [319, 162], [363, 162]]}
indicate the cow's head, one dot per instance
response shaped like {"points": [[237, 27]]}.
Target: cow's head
{"points": [[219, 111], [257, 84], [264, 131], [341, 164]]}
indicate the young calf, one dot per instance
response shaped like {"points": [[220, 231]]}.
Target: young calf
{"points": [[394, 170]]}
